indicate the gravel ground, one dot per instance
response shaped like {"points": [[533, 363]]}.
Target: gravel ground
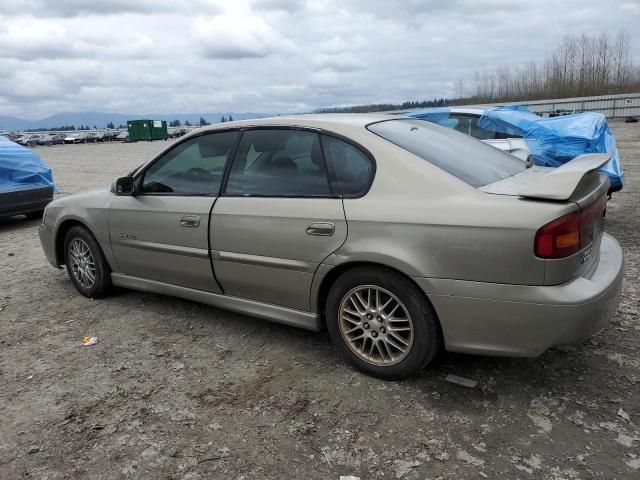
{"points": [[175, 389]]}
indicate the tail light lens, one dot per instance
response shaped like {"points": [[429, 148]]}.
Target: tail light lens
{"points": [[571, 233]]}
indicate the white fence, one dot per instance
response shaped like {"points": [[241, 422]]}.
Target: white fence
{"points": [[612, 106]]}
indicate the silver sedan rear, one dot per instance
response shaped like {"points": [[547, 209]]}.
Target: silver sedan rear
{"points": [[402, 237]]}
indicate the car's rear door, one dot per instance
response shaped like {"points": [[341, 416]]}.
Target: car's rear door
{"points": [[277, 219], [162, 232]]}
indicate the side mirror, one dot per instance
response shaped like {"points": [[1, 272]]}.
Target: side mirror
{"points": [[125, 186]]}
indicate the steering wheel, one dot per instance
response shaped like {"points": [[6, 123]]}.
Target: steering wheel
{"points": [[198, 174]]}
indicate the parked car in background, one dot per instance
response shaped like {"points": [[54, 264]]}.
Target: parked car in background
{"points": [[93, 137], [109, 135], [55, 139], [422, 238], [631, 119], [122, 137], [561, 112], [75, 138], [30, 140], [465, 120], [26, 181]]}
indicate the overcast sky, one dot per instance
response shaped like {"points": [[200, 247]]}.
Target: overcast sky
{"points": [[183, 56]]}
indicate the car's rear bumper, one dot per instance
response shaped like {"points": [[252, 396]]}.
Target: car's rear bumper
{"points": [[26, 200], [518, 320]]}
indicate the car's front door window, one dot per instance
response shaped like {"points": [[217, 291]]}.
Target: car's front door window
{"points": [[194, 167]]}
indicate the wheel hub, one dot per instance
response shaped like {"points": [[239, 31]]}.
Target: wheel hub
{"points": [[376, 325], [82, 263]]}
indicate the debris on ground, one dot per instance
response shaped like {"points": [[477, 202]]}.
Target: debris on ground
{"points": [[623, 414], [88, 341], [465, 382]]}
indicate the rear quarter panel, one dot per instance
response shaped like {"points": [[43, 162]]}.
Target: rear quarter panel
{"points": [[426, 223]]}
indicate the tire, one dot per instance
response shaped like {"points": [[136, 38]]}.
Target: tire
{"points": [[37, 215], [415, 328], [87, 253]]}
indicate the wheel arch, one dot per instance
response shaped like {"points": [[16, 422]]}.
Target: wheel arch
{"points": [[61, 233], [332, 275]]}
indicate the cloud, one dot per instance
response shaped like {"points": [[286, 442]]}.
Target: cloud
{"points": [[237, 37], [77, 8], [275, 56]]}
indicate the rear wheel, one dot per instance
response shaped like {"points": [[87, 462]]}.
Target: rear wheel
{"points": [[86, 265], [382, 323]]}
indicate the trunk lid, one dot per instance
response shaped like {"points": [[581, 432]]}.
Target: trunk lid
{"points": [[577, 182], [560, 184]]}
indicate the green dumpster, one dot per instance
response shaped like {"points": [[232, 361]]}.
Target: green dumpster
{"points": [[147, 130]]}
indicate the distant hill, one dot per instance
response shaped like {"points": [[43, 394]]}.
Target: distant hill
{"points": [[100, 119]]}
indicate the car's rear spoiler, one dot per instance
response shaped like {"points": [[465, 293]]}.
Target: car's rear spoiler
{"points": [[560, 183]]}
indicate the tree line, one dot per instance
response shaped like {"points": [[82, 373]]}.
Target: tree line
{"points": [[582, 65], [203, 122]]}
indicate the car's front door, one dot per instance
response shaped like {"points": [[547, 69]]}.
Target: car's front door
{"points": [[277, 220], [161, 233]]}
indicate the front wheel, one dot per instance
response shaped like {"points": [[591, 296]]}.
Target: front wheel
{"points": [[382, 323], [86, 265]]}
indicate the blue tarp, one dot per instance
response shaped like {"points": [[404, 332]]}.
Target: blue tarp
{"points": [[551, 141], [556, 140], [22, 168]]}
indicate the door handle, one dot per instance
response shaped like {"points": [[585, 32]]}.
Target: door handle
{"points": [[324, 229], [192, 221]]}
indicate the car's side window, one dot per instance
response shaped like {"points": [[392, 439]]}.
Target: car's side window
{"points": [[274, 162], [352, 167], [194, 167], [469, 124]]}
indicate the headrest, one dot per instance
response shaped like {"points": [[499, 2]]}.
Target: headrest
{"points": [[269, 140]]}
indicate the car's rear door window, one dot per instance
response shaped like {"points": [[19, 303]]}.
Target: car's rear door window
{"points": [[193, 167], [353, 169], [279, 162], [462, 156]]}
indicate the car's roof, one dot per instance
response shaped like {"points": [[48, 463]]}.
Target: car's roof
{"points": [[319, 120]]}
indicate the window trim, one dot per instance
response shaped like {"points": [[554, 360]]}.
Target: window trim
{"points": [[327, 162]]}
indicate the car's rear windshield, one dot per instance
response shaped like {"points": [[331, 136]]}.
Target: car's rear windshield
{"points": [[464, 157]]}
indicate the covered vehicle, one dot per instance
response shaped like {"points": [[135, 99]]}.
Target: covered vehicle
{"points": [[551, 142], [26, 181]]}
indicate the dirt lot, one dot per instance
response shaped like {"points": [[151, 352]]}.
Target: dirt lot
{"points": [[180, 390]]}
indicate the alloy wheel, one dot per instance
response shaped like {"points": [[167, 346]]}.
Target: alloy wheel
{"points": [[376, 325], [82, 263]]}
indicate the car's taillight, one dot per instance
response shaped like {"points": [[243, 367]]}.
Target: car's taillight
{"points": [[571, 233]]}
